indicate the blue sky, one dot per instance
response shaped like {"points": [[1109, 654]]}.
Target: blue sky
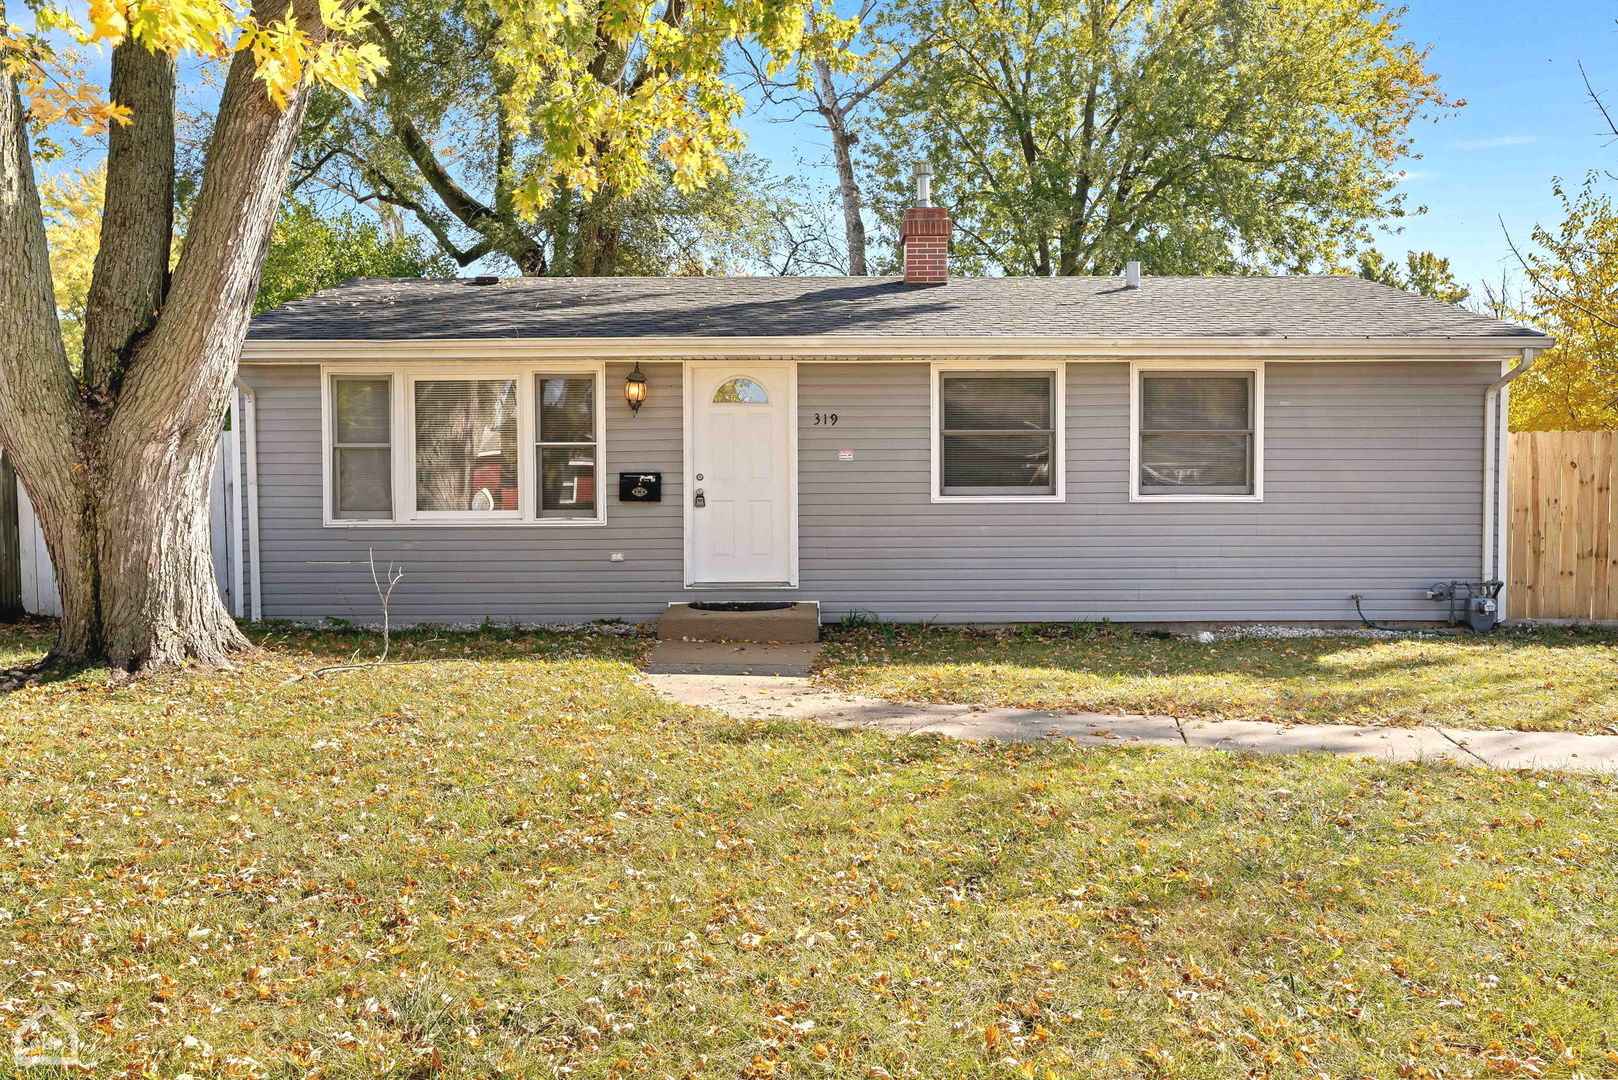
{"points": [[1527, 120]]}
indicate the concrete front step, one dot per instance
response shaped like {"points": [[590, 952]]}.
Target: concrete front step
{"points": [[796, 623], [731, 658]]}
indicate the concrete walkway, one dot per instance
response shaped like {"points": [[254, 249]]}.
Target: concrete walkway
{"points": [[758, 697]]}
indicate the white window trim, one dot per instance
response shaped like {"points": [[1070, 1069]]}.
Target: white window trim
{"points": [[1058, 373], [404, 376], [1256, 367], [329, 445]]}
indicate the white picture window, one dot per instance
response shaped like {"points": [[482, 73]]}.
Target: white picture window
{"points": [[1197, 433], [436, 445], [997, 434], [465, 435], [361, 448]]}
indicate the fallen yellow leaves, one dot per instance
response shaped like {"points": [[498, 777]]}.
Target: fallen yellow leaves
{"points": [[546, 871]]}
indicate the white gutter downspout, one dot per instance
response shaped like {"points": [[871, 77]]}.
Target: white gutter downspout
{"points": [[249, 421], [1494, 502]]}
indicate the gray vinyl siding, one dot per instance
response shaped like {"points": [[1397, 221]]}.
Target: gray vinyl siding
{"points": [[1373, 484], [458, 573]]}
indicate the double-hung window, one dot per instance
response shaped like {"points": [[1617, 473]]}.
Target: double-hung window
{"points": [[438, 446], [361, 474], [1197, 433], [565, 430], [997, 435]]}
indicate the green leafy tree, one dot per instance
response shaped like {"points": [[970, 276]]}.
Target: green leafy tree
{"points": [[116, 446], [310, 251], [1423, 272], [1070, 136], [461, 139], [1572, 295]]}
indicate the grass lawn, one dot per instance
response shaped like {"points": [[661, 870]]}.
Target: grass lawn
{"points": [[1547, 680], [528, 865]]}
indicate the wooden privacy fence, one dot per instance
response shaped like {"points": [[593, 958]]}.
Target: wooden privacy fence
{"points": [[1564, 525], [10, 544]]}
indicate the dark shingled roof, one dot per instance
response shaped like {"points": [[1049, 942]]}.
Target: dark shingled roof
{"points": [[1334, 306]]}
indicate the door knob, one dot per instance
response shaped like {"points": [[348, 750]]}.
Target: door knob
{"points": [[699, 499]]}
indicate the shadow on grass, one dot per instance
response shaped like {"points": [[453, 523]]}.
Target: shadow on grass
{"points": [[342, 642], [1517, 675], [1120, 652], [24, 645]]}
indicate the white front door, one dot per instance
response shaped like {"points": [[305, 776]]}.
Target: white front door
{"points": [[739, 491]]}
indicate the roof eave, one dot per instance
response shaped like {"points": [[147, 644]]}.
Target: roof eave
{"points": [[843, 346]]}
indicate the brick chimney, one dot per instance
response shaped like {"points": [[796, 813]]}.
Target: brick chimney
{"points": [[924, 232]]}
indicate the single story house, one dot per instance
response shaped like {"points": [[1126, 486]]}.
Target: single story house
{"points": [[1159, 449]]}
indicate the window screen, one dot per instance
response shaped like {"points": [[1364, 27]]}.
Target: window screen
{"points": [[1196, 433], [566, 446], [466, 445], [997, 433], [362, 448]]}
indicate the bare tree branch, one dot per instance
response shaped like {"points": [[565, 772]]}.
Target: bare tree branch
{"points": [[1541, 284], [1595, 99]]}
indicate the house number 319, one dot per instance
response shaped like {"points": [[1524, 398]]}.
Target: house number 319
{"points": [[825, 419]]}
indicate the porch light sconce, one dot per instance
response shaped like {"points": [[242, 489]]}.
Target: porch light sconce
{"points": [[635, 389]]}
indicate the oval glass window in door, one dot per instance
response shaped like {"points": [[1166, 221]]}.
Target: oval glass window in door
{"points": [[740, 391]]}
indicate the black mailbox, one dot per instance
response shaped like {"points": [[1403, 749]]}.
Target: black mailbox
{"points": [[640, 487]]}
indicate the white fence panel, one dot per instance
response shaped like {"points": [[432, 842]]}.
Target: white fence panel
{"points": [[39, 595], [38, 579]]}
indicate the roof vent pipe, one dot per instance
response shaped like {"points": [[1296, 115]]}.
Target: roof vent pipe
{"points": [[1131, 275], [923, 172]]}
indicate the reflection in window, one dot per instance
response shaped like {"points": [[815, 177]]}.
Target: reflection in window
{"points": [[741, 391], [466, 445], [567, 445], [1196, 433], [999, 433]]}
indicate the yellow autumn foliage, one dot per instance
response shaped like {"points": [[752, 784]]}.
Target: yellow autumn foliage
{"points": [[286, 54], [71, 204], [566, 58], [1573, 275]]}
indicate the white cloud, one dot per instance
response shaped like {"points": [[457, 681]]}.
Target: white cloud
{"points": [[1495, 143]]}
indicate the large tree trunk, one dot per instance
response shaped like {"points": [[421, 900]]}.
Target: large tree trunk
{"points": [[41, 421], [137, 216], [119, 465], [848, 186]]}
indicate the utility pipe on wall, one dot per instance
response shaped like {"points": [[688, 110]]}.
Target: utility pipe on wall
{"points": [[1492, 446]]}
